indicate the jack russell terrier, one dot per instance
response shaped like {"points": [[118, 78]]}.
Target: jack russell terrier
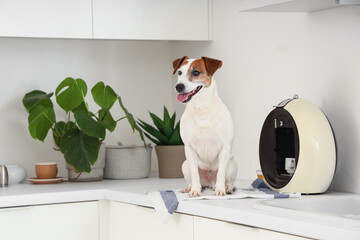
{"points": [[206, 128]]}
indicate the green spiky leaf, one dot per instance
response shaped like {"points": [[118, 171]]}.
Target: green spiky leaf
{"points": [[152, 139], [157, 122], [154, 132], [166, 133]]}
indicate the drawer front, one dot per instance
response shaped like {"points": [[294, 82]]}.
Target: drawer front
{"points": [[70, 221], [205, 229], [133, 222]]}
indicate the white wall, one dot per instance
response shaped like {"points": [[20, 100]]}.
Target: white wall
{"points": [[268, 57], [137, 70]]}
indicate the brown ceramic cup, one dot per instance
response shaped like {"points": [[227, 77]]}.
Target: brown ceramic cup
{"points": [[46, 170]]}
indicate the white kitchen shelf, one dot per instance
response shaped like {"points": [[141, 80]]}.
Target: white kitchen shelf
{"points": [[292, 5]]}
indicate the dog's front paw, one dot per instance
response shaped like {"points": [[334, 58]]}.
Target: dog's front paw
{"points": [[186, 190], [229, 189], [195, 192], [220, 191]]}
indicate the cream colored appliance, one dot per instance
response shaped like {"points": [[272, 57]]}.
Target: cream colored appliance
{"points": [[297, 148]]}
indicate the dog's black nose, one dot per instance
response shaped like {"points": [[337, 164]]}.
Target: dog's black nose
{"points": [[180, 87]]}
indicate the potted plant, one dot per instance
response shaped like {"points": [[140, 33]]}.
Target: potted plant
{"points": [[79, 137], [169, 146]]}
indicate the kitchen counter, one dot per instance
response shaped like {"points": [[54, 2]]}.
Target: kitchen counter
{"points": [[241, 211]]}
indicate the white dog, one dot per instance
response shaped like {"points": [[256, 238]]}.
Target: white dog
{"points": [[206, 128]]}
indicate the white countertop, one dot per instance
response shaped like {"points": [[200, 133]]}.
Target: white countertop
{"points": [[240, 211]]}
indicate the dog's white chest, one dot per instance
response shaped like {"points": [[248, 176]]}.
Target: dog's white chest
{"points": [[206, 134], [207, 145]]}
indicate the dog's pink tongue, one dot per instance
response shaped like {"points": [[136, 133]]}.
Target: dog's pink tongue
{"points": [[183, 97]]}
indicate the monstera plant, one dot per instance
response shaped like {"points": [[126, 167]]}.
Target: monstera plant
{"points": [[80, 136]]}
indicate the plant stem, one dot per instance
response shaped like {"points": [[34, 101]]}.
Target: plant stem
{"points": [[120, 119], [69, 116], [73, 180]]}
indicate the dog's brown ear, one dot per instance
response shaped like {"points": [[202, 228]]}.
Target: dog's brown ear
{"points": [[177, 63], [211, 65]]}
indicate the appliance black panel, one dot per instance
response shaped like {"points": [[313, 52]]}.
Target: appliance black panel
{"points": [[278, 140]]}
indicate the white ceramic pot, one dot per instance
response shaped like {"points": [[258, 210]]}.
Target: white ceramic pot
{"points": [[16, 173]]}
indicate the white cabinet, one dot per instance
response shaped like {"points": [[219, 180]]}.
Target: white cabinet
{"points": [[71, 221], [152, 19], [292, 5], [107, 19], [133, 222], [207, 229], [46, 19]]}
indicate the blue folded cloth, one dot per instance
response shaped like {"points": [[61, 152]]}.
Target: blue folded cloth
{"points": [[166, 202]]}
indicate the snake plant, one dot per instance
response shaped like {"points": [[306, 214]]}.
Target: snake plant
{"points": [[165, 132]]}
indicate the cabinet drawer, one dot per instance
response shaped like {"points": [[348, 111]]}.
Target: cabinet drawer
{"points": [[205, 229], [133, 222], [71, 221]]}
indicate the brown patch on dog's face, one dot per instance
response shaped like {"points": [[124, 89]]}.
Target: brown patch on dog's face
{"points": [[197, 73], [177, 63], [202, 70]]}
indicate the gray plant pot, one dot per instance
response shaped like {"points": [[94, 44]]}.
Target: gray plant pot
{"points": [[127, 162], [97, 170]]}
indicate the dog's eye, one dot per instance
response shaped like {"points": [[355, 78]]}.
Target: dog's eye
{"points": [[179, 73], [195, 73]]}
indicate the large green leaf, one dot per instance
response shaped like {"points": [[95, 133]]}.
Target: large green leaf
{"points": [[80, 150], [60, 129], [41, 120], [107, 120], [104, 96], [132, 121], [90, 126], [128, 115], [58, 132], [36, 97], [70, 93], [82, 107]]}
